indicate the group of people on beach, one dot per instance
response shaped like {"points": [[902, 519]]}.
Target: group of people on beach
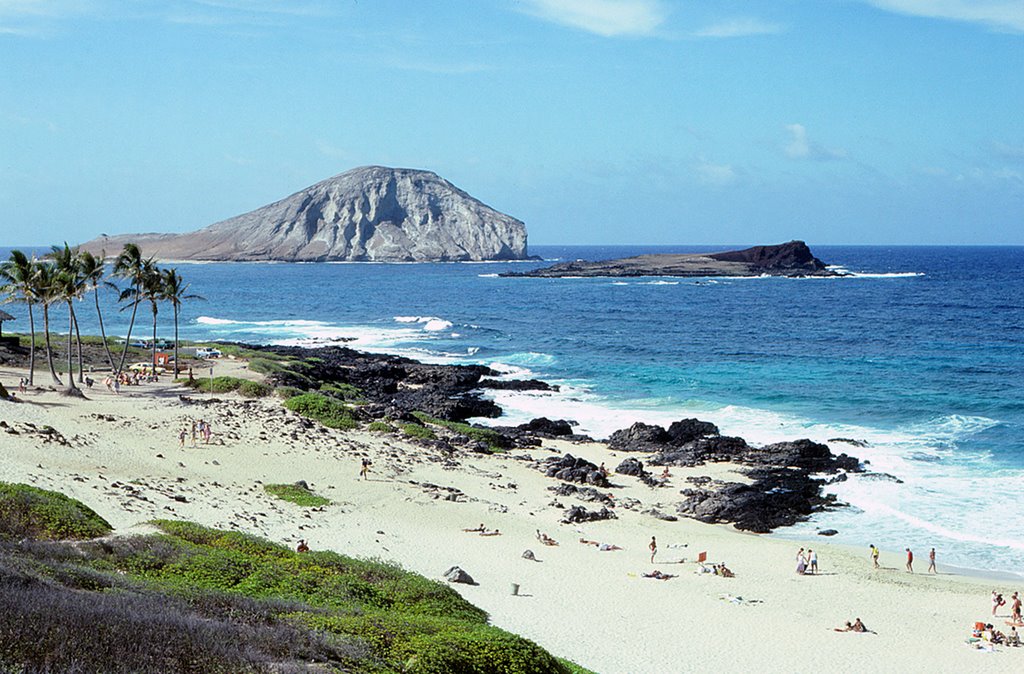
{"points": [[806, 562], [875, 553], [1015, 607], [115, 382], [200, 429]]}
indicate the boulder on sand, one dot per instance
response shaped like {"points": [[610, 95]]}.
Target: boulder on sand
{"points": [[457, 575]]}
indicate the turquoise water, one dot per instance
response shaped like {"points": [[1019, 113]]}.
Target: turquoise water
{"points": [[920, 354]]}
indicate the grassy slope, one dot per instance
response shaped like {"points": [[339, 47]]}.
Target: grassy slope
{"points": [[193, 599]]}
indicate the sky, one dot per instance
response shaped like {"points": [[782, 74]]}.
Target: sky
{"points": [[593, 121]]}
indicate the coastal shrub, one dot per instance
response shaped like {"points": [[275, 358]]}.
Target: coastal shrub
{"points": [[30, 512], [297, 494], [328, 411], [451, 652], [265, 365], [222, 384], [418, 431], [494, 441], [286, 392], [344, 391], [380, 427], [253, 389]]}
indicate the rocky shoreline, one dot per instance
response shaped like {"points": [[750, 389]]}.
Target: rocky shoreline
{"points": [[784, 480]]}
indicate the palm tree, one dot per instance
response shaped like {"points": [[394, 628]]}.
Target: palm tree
{"points": [[130, 265], [16, 274], [153, 290], [68, 286], [175, 291], [44, 288], [93, 270]]}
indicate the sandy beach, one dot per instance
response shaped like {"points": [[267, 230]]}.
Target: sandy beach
{"points": [[120, 454]]}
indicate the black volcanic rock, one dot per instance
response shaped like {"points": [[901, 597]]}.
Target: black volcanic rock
{"points": [[639, 437]]}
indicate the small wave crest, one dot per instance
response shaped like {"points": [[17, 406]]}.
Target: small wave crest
{"points": [[429, 323]]}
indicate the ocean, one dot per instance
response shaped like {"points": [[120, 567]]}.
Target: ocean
{"points": [[919, 354]]}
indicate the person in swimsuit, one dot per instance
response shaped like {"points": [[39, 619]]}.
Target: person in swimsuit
{"points": [[654, 548], [910, 561], [931, 561], [874, 555]]}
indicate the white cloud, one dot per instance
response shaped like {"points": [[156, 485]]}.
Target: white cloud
{"points": [[608, 18], [1005, 15], [740, 28], [718, 175], [801, 147]]}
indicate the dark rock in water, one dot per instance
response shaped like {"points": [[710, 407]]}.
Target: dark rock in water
{"points": [[457, 575], [639, 437], [630, 467], [572, 469], [850, 441], [881, 477], [545, 426], [827, 532], [517, 385], [688, 430], [805, 454], [577, 514]]}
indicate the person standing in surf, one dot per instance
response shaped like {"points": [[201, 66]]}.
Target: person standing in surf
{"points": [[931, 561], [910, 561]]}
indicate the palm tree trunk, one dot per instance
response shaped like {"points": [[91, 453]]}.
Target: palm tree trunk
{"points": [[71, 352], [128, 339], [103, 334], [175, 341], [31, 346], [49, 351], [153, 344], [78, 339]]}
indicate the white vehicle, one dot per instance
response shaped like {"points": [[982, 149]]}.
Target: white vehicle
{"points": [[208, 353]]}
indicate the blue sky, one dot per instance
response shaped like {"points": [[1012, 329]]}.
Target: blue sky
{"points": [[594, 121]]}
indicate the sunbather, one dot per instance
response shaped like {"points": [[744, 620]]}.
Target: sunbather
{"points": [[657, 575], [477, 530]]}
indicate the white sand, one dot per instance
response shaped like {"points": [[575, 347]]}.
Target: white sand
{"points": [[590, 606]]}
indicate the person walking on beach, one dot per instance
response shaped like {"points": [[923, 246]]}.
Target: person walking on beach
{"points": [[364, 471], [812, 557], [931, 561], [910, 561], [801, 562], [181, 437], [874, 555], [194, 431], [654, 548], [1015, 608]]}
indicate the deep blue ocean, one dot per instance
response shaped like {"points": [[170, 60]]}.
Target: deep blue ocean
{"points": [[920, 354]]}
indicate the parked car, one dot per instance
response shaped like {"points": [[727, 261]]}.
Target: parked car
{"points": [[146, 367], [208, 353]]}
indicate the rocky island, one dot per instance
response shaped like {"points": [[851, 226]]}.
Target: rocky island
{"points": [[792, 259], [371, 214]]}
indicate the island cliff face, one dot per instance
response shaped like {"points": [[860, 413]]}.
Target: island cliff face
{"points": [[372, 213], [787, 259]]}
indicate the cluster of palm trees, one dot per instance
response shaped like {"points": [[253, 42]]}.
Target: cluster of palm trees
{"points": [[66, 275]]}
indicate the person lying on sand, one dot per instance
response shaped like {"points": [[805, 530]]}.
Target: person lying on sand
{"points": [[477, 530], [545, 539], [490, 533], [723, 571], [603, 547], [657, 575]]}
